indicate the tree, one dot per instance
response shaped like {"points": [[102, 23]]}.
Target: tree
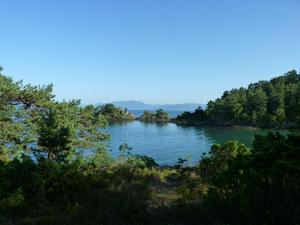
{"points": [[257, 101], [273, 103], [54, 139], [20, 108], [74, 129], [112, 113], [158, 116], [261, 187], [195, 117], [161, 115], [29, 115]]}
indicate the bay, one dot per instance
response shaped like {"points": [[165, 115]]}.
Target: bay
{"points": [[168, 141]]}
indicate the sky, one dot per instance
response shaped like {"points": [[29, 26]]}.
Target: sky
{"points": [[156, 51]]}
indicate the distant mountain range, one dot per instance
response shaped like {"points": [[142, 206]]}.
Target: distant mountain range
{"points": [[138, 105]]}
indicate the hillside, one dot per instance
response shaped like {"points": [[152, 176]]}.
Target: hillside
{"points": [[267, 104]]}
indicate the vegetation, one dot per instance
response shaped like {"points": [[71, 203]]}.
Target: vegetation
{"points": [[115, 114], [274, 103], [260, 186], [54, 169], [236, 185], [190, 117], [33, 122], [158, 116], [230, 185]]}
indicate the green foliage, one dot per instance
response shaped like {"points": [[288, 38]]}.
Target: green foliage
{"points": [[135, 160], [147, 162], [188, 117], [125, 151], [260, 188], [20, 109], [54, 139], [158, 116], [273, 103], [218, 158], [48, 192], [32, 122], [114, 114], [231, 184]]}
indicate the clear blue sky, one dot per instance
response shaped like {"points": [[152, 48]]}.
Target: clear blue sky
{"points": [[157, 51]]}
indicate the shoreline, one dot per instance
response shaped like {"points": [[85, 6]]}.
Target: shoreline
{"points": [[210, 124], [205, 124], [237, 126]]}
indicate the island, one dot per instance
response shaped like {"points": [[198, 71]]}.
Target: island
{"points": [[115, 114], [158, 116]]}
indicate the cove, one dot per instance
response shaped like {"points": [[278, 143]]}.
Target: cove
{"points": [[166, 142]]}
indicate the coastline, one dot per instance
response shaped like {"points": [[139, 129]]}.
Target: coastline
{"points": [[212, 124], [234, 125]]}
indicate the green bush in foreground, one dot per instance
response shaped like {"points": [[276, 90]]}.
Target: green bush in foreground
{"points": [[231, 185], [262, 187]]}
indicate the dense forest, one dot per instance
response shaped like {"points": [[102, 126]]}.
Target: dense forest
{"points": [[55, 169], [273, 104]]}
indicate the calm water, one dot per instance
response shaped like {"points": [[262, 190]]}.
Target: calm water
{"points": [[172, 113], [167, 142]]}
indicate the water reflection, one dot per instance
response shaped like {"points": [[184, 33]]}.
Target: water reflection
{"points": [[166, 142]]}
